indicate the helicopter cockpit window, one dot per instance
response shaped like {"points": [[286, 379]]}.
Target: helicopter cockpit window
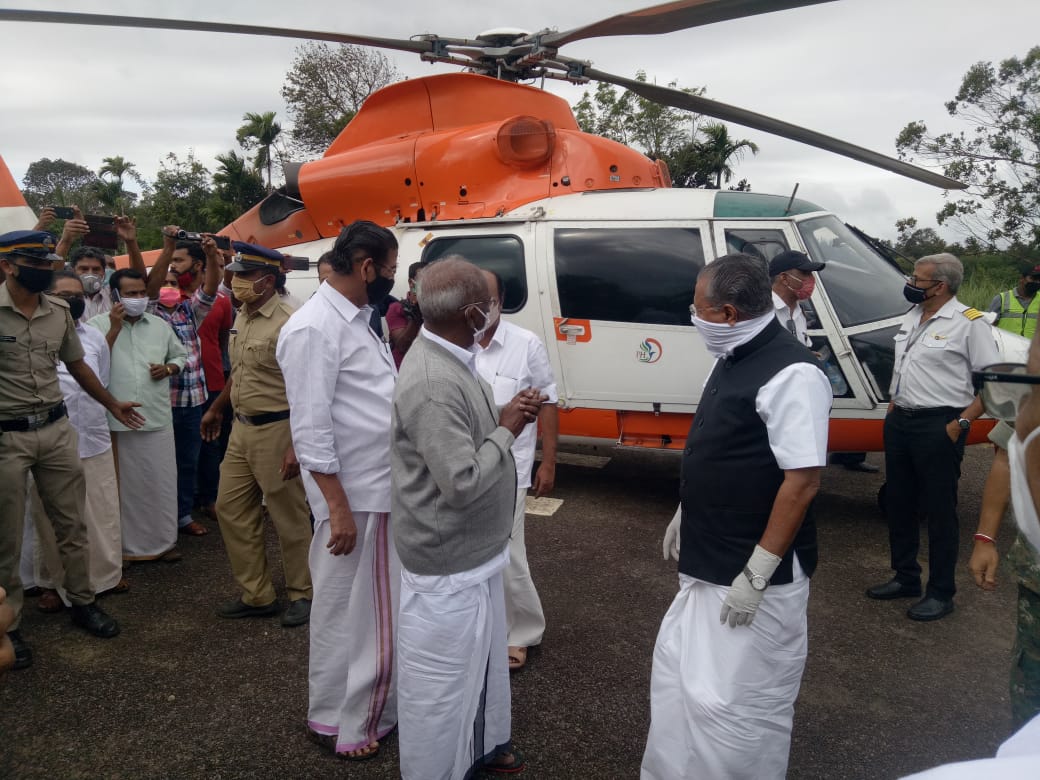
{"points": [[502, 254], [861, 285], [766, 244], [643, 275]]}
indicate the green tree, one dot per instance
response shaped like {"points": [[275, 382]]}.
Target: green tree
{"points": [[997, 156], [237, 187], [325, 87], [180, 196], [719, 150], [111, 177], [917, 242], [59, 183], [260, 132]]}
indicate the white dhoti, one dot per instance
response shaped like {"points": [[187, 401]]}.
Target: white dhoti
{"points": [[353, 635], [525, 620], [147, 468], [453, 676], [101, 517], [721, 698]]}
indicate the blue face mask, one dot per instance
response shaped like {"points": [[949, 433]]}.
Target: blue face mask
{"points": [[108, 274]]}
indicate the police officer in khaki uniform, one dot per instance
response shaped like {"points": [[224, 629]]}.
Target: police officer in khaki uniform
{"points": [[260, 462], [939, 343], [36, 332]]}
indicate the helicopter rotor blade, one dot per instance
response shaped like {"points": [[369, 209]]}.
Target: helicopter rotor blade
{"points": [[419, 46], [669, 17], [741, 116]]}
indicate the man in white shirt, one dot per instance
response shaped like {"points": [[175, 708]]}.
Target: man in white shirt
{"points": [[101, 510], [793, 281], [513, 359], [731, 650], [339, 380], [939, 343]]}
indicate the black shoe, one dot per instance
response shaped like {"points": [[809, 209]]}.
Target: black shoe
{"points": [[92, 619], [894, 589], [866, 468], [298, 613], [23, 656], [239, 609], [930, 608]]}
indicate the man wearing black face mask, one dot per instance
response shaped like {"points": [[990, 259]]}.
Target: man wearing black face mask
{"points": [[339, 379], [37, 331], [101, 509], [1018, 307], [939, 343]]}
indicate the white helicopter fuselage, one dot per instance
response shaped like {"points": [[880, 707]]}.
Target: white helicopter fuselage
{"points": [[605, 280]]}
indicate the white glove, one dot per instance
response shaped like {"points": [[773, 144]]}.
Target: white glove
{"points": [[671, 536], [742, 600]]}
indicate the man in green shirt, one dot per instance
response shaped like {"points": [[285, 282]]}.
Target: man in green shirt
{"points": [[145, 354]]}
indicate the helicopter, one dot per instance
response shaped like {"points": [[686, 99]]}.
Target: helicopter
{"points": [[598, 252]]}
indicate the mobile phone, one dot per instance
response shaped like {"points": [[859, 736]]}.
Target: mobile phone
{"points": [[222, 242], [102, 233], [63, 212]]}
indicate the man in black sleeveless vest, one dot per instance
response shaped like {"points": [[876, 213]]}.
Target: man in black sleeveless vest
{"points": [[730, 653]]}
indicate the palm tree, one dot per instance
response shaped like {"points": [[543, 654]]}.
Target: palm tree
{"points": [[718, 149], [237, 188], [260, 131], [110, 191]]}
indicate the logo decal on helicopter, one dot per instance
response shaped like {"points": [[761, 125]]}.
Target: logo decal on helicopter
{"points": [[649, 351]]}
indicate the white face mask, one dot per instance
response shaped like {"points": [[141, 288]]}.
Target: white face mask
{"points": [[1021, 497], [721, 338], [91, 284], [135, 307], [478, 333]]}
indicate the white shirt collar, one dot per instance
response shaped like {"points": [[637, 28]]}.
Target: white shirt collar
{"points": [[341, 303], [467, 356]]}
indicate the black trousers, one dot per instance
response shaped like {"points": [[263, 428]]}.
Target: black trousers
{"points": [[922, 468]]}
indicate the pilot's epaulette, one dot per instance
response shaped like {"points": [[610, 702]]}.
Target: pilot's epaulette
{"points": [[972, 314]]}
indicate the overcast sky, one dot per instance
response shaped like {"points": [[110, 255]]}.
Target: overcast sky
{"points": [[855, 69]]}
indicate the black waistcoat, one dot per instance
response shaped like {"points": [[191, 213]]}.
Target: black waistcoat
{"points": [[729, 475]]}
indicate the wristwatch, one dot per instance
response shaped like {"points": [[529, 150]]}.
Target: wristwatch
{"points": [[169, 370], [965, 424], [758, 582]]}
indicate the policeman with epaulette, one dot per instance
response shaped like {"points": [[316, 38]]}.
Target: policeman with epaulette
{"points": [[260, 463], [939, 343], [36, 332]]}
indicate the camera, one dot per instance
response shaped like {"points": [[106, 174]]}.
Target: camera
{"points": [[222, 242]]}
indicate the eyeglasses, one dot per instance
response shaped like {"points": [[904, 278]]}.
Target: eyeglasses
{"points": [[916, 281], [1003, 387], [693, 309]]}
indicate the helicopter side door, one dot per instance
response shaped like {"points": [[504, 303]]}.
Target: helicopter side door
{"points": [[620, 297]]}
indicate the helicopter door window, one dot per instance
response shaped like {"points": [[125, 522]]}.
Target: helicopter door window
{"points": [[643, 275], [502, 254], [757, 243], [862, 286]]}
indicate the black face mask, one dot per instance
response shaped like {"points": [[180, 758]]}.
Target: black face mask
{"points": [[378, 289], [1031, 288], [77, 305], [34, 280]]}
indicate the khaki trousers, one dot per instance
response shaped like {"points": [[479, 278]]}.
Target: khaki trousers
{"points": [[50, 454], [250, 473], [101, 518]]}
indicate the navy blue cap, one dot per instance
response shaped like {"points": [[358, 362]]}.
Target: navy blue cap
{"points": [[786, 261], [250, 257], [31, 243]]}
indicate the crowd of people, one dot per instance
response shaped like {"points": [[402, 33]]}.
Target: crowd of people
{"points": [[392, 445]]}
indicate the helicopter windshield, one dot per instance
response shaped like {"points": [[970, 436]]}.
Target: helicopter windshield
{"points": [[861, 285]]}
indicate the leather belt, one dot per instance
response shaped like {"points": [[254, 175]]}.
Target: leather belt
{"points": [[34, 421], [262, 419], [935, 411]]}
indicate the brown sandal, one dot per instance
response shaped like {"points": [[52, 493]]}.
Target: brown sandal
{"points": [[194, 528]]}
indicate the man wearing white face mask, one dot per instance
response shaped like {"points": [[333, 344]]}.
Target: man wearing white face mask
{"points": [[145, 354], [730, 653]]}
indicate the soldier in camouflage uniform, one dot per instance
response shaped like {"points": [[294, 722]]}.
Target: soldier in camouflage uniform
{"points": [[1024, 564]]}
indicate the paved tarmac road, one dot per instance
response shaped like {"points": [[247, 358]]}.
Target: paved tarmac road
{"points": [[183, 694]]}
